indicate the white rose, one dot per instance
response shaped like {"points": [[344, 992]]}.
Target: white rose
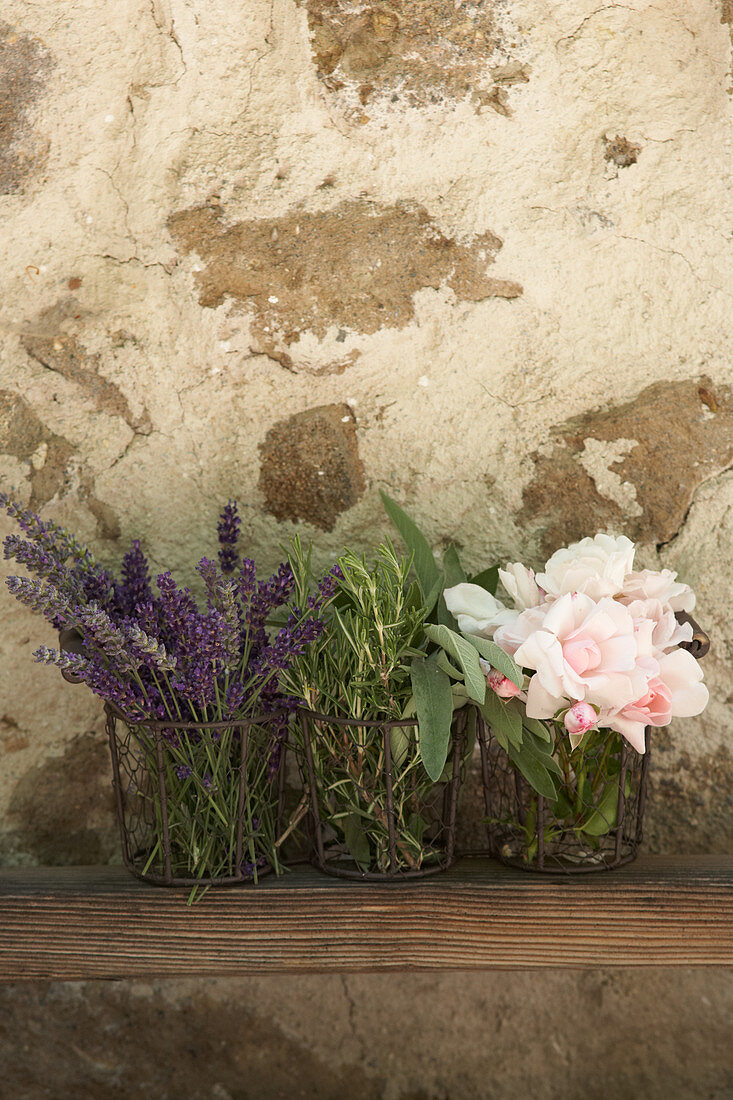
{"points": [[477, 611], [663, 586], [521, 585], [597, 567]]}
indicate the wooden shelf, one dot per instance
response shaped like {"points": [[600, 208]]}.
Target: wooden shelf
{"points": [[72, 923]]}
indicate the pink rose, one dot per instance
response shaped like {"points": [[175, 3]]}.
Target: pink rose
{"points": [[677, 692], [582, 651]]}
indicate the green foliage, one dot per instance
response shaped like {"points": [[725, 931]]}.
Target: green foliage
{"points": [[370, 665]]}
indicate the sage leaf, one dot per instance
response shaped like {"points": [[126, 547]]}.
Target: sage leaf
{"points": [[357, 840], [466, 655], [501, 717], [434, 704], [533, 771], [452, 568], [539, 729]]}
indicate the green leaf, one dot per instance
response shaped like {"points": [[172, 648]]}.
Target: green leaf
{"points": [[605, 815], [539, 729], [465, 654], [533, 771], [399, 745], [423, 562], [434, 594], [452, 568], [501, 717], [357, 840], [446, 666], [497, 658], [434, 705], [487, 578]]}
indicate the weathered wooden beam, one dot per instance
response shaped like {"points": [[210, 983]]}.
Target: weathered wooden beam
{"points": [[98, 922]]}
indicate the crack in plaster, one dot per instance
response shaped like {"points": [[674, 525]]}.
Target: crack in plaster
{"points": [[351, 1016], [623, 7]]}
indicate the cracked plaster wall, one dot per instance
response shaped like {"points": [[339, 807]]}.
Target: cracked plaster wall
{"points": [[477, 254]]}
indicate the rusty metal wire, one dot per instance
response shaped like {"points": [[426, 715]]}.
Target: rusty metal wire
{"points": [[375, 813], [174, 829], [595, 825]]}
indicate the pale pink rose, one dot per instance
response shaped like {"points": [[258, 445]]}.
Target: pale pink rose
{"points": [[596, 566], [678, 692], [501, 685], [659, 585], [521, 585], [477, 611], [583, 651]]}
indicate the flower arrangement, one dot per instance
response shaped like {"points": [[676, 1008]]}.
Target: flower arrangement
{"points": [[376, 740], [601, 650], [197, 689]]}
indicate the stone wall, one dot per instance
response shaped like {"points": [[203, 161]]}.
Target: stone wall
{"points": [[478, 254]]}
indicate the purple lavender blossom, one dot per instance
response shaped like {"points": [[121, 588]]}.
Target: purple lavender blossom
{"points": [[183, 771], [151, 651], [135, 586], [98, 630], [39, 596], [247, 579], [228, 531], [67, 662]]}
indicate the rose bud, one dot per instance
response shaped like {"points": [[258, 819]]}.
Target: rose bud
{"points": [[580, 718]]}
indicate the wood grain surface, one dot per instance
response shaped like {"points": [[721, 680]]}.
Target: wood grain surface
{"points": [[71, 923]]}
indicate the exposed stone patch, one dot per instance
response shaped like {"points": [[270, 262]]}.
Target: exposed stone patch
{"points": [[63, 354], [311, 468], [416, 52], [726, 16], [690, 808], [620, 151], [683, 433], [355, 267], [24, 67], [25, 436], [62, 811]]}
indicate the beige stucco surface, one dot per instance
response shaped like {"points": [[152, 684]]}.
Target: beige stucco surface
{"points": [[477, 254]]}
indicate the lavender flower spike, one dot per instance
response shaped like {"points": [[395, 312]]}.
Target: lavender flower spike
{"points": [[152, 649], [39, 596], [228, 531], [67, 662]]}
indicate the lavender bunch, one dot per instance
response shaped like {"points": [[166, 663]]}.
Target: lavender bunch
{"points": [[153, 653]]}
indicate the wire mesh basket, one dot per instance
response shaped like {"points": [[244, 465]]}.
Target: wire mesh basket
{"points": [[375, 813], [594, 824], [199, 804]]}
